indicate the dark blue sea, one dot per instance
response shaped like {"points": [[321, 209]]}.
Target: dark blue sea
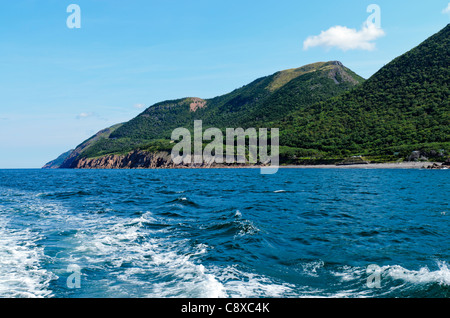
{"points": [[225, 233]]}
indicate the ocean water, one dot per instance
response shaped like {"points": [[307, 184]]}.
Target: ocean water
{"points": [[224, 233]]}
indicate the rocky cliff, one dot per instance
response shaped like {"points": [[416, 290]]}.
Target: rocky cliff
{"points": [[139, 159], [133, 160]]}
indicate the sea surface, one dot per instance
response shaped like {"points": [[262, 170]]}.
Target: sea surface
{"points": [[225, 233]]}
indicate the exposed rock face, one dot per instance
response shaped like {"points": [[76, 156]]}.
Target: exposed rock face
{"points": [[416, 156], [437, 166], [133, 160], [337, 72], [356, 160], [422, 155], [444, 165], [197, 103], [139, 159]]}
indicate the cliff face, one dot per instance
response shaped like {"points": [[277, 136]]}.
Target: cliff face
{"points": [[256, 104], [139, 159], [133, 160]]}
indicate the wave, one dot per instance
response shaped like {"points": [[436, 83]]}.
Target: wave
{"points": [[238, 283], [186, 247], [311, 268], [131, 252], [64, 194], [153, 263], [394, 281], [184, 201], [234, 226], [33, 242], [422, 276], [21, 259]]}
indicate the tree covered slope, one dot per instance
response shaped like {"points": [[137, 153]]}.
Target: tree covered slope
{"points": [[324, 111], [254, 105], [404, 106]]}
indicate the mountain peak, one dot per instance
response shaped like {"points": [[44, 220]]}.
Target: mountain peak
{"points": [[337, 63], [333, 67]]}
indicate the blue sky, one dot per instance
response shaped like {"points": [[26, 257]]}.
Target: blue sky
{"points": [[59, 86]]}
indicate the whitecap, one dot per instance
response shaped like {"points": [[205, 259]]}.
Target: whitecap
{"points": [[422, 276], [155, 266], [311, 268], [21, 271], [241, 284]]}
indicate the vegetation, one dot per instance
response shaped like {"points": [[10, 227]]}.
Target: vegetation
{"points": [[254, 105], [325, 112], [405, 106]]}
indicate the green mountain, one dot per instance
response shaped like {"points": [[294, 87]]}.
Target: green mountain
{"points": [[404, 107], [55, 164], [255, 105], [325, 113]]}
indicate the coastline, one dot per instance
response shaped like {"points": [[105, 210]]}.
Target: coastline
{"points": [[391, 165]]}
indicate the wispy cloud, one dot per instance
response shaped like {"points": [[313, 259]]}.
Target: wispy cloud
{"points": [[345, 38], [447, 10], [139, 106], [85, 115]]}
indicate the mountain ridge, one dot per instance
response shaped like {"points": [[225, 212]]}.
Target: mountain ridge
{"points": [[325, 111], [245, 103]]}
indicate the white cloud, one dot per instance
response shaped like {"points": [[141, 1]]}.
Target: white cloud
{"points": [[345, 38], [447, 10], [139, 106], [85, 115]]}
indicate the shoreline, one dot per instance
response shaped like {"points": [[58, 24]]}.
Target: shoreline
{"points": [[391, 165]]}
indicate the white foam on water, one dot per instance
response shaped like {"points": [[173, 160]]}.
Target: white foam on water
{"points": [[131, 259], [21, 273], [241, 284], [23, 223], [396, 272], [152, 263], [422, 276], [145, 265], [311, 268], [187, 279], [246, 227], [348, 273], [389, 274]]}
